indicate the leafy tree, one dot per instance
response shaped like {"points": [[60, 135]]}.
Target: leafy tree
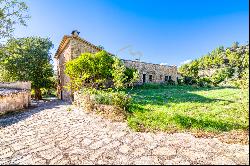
{"points": [[235, 45], [237, 61], [28, 59], [193, 68], [99, 71], [132, 76], [90, 70], [227, 63], [245, 62], [12, 12], [118, 73], [221, 75], [101, 47]]}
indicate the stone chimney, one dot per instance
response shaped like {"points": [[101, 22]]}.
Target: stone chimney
{"points": [[75, 33]]}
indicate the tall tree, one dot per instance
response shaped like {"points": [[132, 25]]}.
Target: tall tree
{"points": [[12, 12], [28, 59]]}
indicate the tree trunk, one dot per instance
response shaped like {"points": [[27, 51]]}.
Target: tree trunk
{"points": [[38, 94]]}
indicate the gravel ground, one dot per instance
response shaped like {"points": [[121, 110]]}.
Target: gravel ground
{"points": [[51, 133]]}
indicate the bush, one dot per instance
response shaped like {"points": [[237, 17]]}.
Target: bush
{"points": [[189, 80], [99, 70], [180, 81], [170, 82], [112, 104], [204, 82], [109, 97]]}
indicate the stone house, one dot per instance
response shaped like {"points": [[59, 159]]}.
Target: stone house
{"points": [[72, 46]]}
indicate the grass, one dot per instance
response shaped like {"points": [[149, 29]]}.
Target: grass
{"points": [[187, 108]]}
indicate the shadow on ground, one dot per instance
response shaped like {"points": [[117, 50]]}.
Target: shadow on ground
{"points": [[172, 94], [190, 122], [36, 107], [146, 100]]}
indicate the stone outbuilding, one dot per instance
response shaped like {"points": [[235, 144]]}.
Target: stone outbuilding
{"points": [[72, 46], [14, 96]]}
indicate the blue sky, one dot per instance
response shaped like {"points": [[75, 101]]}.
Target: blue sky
{"points": [[156, 31]]}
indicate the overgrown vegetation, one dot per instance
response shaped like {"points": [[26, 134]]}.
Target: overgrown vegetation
{"points": [[108, 97], [97, 79], [228, 66], [111, 104], [187, 108], [99, 71]]}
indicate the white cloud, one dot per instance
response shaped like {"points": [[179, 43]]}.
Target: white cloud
{"points": [[163, 64], [185, 62]]}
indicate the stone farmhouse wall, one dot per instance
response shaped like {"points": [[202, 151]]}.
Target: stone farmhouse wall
{"points": [[62, 77], [158, 73], [73, 49], [72, 46], [14, 96]]}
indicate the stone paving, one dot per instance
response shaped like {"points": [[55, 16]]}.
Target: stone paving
{"points": [[53, 134]]}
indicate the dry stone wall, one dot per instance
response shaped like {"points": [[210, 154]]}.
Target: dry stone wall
{"points": [[16, 85], [14, 96]]}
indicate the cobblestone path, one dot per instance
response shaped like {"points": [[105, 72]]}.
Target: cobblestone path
{"points": [[51, 134]]}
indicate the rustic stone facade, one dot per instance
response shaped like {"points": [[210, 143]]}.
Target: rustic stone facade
{"points": [[153, 72], [72, 46], [14, 96]]}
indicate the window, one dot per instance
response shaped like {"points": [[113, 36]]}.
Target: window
{"points": [[150, 78], [166, 78], [169, 77], [160, 77]]}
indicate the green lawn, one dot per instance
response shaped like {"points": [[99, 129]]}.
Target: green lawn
{"points": [[179, 108]]}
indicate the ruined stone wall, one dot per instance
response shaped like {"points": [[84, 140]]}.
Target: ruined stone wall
{"points": [[14, 101], [157, 71], [14, 96]]}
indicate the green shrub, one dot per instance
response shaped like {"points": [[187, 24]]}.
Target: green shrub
{"points": [[108, 97], [220, 75], [204, 82], [110, 104], [99, 71], [189, 80], [229, 63], [121, 99], [170, 82], [180, 81]]}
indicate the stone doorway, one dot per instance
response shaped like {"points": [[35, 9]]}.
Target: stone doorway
{"points": [[144, 78]]}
